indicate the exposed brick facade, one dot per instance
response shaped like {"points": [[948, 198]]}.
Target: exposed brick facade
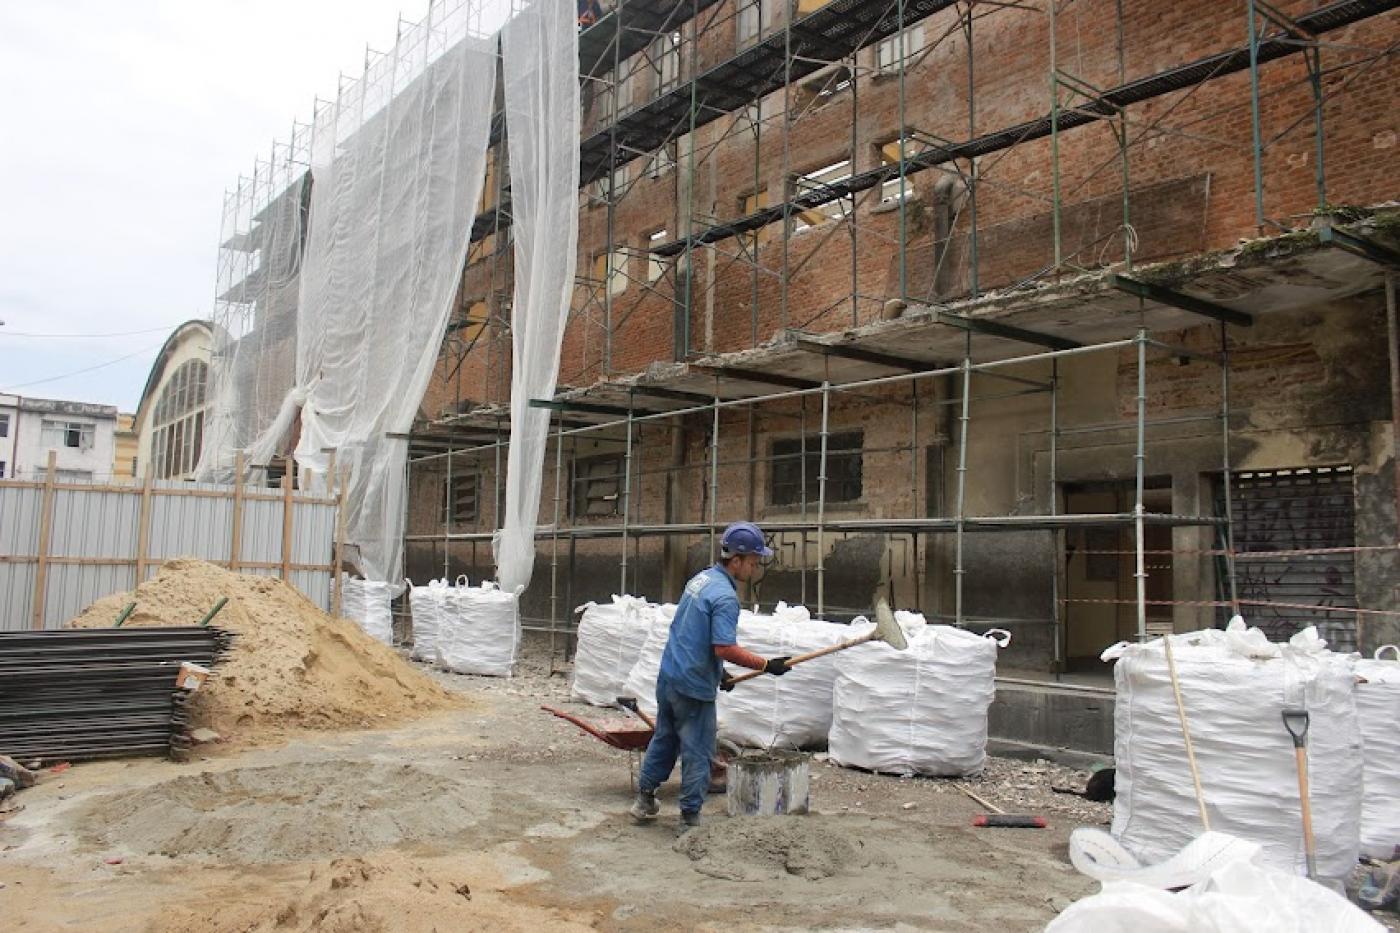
{"points": [[1191, 177]]}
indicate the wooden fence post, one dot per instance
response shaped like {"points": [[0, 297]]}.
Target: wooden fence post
{"points": [[41, 573], [143, 527], [236, 547], [287, 522], [338, 554]]}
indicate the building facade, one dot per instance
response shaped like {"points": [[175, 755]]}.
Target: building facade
{"points": [[1068, 320], [80, 435], [169, 423]]}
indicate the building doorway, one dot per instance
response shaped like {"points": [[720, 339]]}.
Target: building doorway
{"points": [[1100, 563]]}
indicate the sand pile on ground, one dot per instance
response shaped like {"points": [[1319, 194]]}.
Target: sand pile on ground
{"points": [[285, 813], [292, 665], [754, 849], [383, 893]]}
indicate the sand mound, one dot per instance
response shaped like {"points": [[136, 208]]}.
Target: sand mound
{"points": [[292, 665], [383, 893], [284, 813], [762, 849]]}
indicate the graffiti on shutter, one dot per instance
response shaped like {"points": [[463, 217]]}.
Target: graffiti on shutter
{"points": [[1301, 509]]}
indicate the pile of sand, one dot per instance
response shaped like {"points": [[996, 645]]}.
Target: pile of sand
{"points": [[292, 665], [284, 813], [387, 892], [752, 849]]}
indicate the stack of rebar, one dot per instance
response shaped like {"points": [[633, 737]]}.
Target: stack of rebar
{"points": [[76, 694]]}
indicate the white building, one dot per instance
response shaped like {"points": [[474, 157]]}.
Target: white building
{"points": [[81, 435]]}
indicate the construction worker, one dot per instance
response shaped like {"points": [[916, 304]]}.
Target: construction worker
{"points": [[703, 636]]}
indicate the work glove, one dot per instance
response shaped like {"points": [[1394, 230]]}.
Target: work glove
{"points": [[777, 666], [727, 684]]}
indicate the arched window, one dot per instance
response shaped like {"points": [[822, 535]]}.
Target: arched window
{"points": [[178, 421]]}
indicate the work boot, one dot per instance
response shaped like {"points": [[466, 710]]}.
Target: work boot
{"points": [[689, 821], [645, 807]]}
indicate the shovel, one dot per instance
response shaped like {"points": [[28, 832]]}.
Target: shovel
{"points": [[886, 630], [1296, 722]]}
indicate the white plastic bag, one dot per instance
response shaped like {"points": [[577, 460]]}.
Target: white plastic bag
{"points": [[794, 710], [480, 631], [641, 680], [1378, 712], [1239, 897], [366, 603], [1235, 684], [428, 605], [922, 710], [610, 639]]}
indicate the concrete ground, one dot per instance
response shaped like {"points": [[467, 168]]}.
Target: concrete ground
{"points": [[501, 817]]}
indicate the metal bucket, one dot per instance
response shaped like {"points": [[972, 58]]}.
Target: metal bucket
{"points": [[769, 783]]}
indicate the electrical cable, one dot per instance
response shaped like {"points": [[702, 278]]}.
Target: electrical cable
{"points": [[79, 372], [125, 333]]}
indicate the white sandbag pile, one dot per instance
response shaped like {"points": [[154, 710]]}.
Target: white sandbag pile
{"points": [[366, 603], [1378, 712], [428, 605], [918, 711], [610, 639], [1235, 685], [791, 711], [480, 631], [641, 680]]}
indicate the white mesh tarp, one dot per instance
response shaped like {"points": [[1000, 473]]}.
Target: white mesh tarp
{"points": [[540, 57], [336, 287]]}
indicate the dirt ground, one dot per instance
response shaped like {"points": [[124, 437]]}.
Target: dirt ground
{"points": [[501, 817]]}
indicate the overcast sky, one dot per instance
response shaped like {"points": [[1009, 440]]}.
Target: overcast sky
{"points": [[122, 122]]}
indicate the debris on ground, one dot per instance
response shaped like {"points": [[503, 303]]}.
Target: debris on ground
{"points": [[292, 666]]}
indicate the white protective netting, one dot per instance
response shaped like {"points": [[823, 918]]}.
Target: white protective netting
{"points": [[540, 58], [336, 287]]}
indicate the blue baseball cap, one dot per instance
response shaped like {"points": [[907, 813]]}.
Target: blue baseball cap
{"points": [[744, 538]]}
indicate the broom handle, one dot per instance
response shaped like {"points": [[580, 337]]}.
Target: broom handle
{"points": [[809, 656]]}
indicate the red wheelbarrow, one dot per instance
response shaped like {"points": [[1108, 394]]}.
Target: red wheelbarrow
{"points": [[634, 741]]}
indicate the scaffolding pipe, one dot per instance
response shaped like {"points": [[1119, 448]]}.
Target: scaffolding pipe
{"points": [[963, 418], [1228, 471], [1257, 149], [821, 501], [1393, 329], [802, 481], [626, 494], [554, 555], [1057, 536], [1140, 465], [449, 502], [714, 477]]}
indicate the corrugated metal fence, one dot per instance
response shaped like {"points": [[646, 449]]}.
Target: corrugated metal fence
{"points": [[65, 544]]}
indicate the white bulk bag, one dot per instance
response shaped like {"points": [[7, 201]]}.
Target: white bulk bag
{"points": [[1235, 684], [366, 603], [791, 711], [1237, 897], [922, 710], [641, 680], [428, 605], [1378, 713], [610, 639], [480, 631]]}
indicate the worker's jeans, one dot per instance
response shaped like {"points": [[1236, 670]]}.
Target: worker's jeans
{"points": [[686, 726]]}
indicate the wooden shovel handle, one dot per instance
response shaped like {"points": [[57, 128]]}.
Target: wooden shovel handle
{"points": [[809, 656]]}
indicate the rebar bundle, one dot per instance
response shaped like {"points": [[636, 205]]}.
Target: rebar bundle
{"points": [[76, 694]]}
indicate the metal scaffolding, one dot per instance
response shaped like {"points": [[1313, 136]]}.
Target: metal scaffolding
{"points": [[814, 54]]}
